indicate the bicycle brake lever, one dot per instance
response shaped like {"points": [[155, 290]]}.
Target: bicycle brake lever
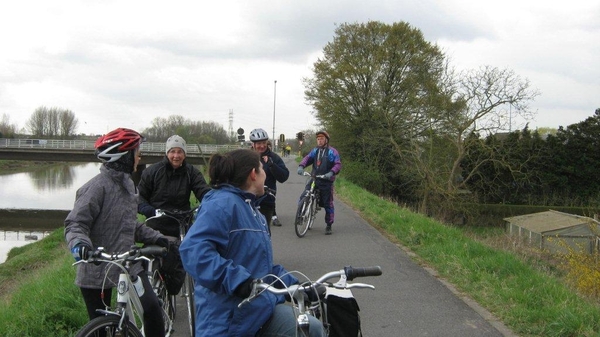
{"points": [[359, 285]]}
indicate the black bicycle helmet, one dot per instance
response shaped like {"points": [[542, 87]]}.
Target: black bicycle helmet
{"points": [[111, 146], [258, 135]]}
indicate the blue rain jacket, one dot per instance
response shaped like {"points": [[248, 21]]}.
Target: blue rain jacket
{"points": [[229, 243]]}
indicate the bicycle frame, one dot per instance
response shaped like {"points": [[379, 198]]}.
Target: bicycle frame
{"points": [[128, 306]]}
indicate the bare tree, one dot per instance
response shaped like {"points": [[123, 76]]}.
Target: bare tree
{"points": [[480, 101], [52, 122]]}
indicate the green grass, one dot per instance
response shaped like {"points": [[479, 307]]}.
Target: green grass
{"points": [[38, 297]]}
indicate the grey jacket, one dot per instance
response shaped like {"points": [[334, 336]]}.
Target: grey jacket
{"points": [[105, 215]]}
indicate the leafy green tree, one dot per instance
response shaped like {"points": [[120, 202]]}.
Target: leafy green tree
{"points": [[373, 92], [392, 104], [576, 161]]}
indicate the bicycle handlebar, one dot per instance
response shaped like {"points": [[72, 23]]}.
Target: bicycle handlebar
{"points": [[348, 273], [175, 213], [353, 272], [135, 253], [320, 176]]}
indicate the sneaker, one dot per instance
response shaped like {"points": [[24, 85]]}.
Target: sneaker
{"points": [[276, 222], [328, 230]]}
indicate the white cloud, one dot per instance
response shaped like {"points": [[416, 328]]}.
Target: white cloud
{"points": [[123, 63]]}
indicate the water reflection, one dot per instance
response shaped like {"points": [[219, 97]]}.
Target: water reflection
{"points": [[51, 188], [53, 178]]}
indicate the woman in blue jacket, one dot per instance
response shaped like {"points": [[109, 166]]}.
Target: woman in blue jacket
{"points": [[228, 247]]}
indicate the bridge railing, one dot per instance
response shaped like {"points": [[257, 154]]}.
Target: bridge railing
{"points": [[153, 147]]}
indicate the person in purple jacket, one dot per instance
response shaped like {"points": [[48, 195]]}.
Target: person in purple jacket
{"points": [[325, 161]]}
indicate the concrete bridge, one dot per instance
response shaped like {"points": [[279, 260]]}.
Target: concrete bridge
{"points": [[83, 151]]}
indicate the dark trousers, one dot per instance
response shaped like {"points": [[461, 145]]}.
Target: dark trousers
{"points": [[268, 210]]}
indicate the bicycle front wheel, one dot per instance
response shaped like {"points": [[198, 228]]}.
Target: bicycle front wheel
{"points": [[108, 326], [303, 216]]}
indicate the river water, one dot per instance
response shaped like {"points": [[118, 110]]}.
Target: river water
{"points": [[36, 202]]}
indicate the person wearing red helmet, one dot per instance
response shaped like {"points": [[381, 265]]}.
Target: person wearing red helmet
{"points": [[104, 215], [325, 161]]}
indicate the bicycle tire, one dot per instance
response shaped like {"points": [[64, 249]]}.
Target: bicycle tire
{"points": [[188, 293], [303, 216], [107, 326]]}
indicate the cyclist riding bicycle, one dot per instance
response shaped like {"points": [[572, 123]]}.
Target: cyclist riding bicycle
{"points": [[104, 216], [168, 185], [325, 161]]}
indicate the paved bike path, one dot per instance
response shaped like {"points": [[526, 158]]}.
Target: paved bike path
{"points": [[408, 299]]}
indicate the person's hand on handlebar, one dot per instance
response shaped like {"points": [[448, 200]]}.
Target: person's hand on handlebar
{"points": [[328, 175], [81, 251], [300, 170], [245, 289]]}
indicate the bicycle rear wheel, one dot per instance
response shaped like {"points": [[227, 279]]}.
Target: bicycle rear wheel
{"points": [[304, 217], [187, 291], [108, 326]]}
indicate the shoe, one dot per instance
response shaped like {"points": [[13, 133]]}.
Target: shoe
{"points": [[328, 230], [276, 222]]}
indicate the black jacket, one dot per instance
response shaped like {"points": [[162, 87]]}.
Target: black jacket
{"points": [[276, 172], [163, 187]]}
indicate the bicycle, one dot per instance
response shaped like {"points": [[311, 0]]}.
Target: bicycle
{"points": [[311, 298], [122, 320], [185, 220], [308, 206]]}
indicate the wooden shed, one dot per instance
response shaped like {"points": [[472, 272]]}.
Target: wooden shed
{"points": [[555, 231]]}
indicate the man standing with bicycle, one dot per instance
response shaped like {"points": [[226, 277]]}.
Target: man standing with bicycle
{"points": [[168, 185], [325, 161], [275, 169]]}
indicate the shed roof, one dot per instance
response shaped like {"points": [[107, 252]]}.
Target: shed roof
{"points": [[549, 221]]}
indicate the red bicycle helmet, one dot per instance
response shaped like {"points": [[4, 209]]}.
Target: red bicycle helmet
{"points": [[111, 146]]}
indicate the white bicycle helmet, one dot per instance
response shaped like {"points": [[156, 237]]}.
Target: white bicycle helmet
{"points": [[258, 135]]}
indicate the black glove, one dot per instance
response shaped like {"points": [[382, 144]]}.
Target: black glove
{"points": [[81, 251], [147, 210], [164, 242], [245, 289]]}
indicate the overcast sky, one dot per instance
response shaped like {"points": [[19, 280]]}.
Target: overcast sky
{"points": [[120, 63]]}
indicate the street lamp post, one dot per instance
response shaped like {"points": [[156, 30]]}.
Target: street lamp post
{"points": [[274, 101]]}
